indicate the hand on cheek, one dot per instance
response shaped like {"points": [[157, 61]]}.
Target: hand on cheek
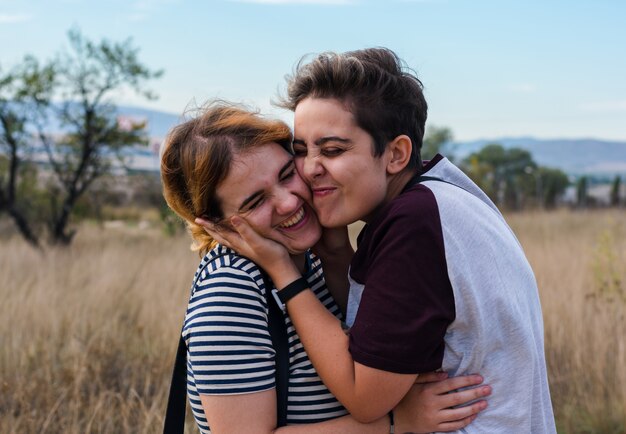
{"points": [[222, 233], [248, 242]]}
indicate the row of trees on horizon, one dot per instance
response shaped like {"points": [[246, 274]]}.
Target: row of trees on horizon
{"points": [[511, 177], [45, 200]]}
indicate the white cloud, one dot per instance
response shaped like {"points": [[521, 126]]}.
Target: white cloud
{"points": [[298, 2], [604, 106], [14, 18]]}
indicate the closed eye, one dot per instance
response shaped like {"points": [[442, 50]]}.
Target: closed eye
{"points": [[288, 174], [299, 149], [256, 203], [332, 151], [252, 202]]}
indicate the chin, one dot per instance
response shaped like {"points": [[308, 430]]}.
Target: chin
{"points": [[332, 223], [302, 248], [297, 251]]}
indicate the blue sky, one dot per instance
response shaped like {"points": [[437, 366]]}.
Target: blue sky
{"points": [[490, 68]]}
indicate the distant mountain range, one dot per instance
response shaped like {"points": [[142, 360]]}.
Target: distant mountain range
{"points": [[596, 157], [158, 122], [573, 156]]}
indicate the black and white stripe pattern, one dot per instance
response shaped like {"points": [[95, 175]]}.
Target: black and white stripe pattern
{"points": [[229, 347]]}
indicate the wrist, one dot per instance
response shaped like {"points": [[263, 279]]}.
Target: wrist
{"points": [[290, 291], [401, 421], [282, 274]]}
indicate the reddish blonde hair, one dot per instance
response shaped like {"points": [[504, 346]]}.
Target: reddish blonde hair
{"points": [[197, 154]]}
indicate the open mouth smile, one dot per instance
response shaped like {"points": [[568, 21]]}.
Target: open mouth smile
{"points": [[293, 220]]}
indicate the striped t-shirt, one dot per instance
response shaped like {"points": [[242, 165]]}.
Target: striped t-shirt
{"points": [[229, 349]]}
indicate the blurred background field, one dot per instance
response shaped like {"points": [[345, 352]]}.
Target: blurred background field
{"points": [[89, 331]]}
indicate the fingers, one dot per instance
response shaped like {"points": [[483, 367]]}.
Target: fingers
{"points": [[463, 397], [230, 239], [456, 425], [455, 383], [430, 377], [460, 417], [246, 232], [221, 240], [207, 225]]}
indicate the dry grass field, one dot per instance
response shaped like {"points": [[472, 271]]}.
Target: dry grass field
{"points": [[88, 333]]}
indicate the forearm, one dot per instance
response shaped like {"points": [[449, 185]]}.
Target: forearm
{"points": [[342, 425], [322, 336], [255, 413], [327, 346]]}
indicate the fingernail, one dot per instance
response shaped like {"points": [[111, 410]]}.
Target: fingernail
{"points": [[478, 378], [235, 221], [487, 390], [442, 375]]}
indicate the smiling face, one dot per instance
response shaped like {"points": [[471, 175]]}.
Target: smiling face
{"points": [[263, 187], [335, 157]]}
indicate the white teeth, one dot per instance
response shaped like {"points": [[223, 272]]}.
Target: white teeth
{"points": [[297, 217]]}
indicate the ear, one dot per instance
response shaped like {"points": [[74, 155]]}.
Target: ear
{"points": [[399, 153]]}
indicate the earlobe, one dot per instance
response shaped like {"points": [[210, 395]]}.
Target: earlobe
{"points": [[399, 150]]}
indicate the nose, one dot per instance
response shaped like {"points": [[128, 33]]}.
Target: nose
{"points": [[286, 201], [311, 167]]}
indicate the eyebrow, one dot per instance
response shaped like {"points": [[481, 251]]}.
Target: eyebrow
{"points": [[258, 193], [323, 140]]}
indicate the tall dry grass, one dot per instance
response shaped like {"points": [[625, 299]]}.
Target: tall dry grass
{"points": [[579, 260], [88, 333]]}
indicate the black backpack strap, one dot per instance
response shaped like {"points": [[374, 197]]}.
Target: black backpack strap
{"points": [[177, 399], [280, 342]]}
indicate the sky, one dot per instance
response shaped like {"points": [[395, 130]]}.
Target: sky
{"points": [[490, 68]]}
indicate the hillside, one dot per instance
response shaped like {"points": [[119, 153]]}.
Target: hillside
{"points": [[573, 156], [597, 157]]}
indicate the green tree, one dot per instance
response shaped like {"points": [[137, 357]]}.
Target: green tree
{"points": [[434, 141], [25, 92], [582, 192], [615, 190], [90, 76], [501, 173], [550, 186]]}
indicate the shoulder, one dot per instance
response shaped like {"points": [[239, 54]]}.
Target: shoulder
{"points": [[226, 283], [406, 230], [417, 201], [222, 265], [412, 212]]}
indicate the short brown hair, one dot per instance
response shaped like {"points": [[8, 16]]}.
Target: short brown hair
{"points": [[196, 157], [383, 94]]}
